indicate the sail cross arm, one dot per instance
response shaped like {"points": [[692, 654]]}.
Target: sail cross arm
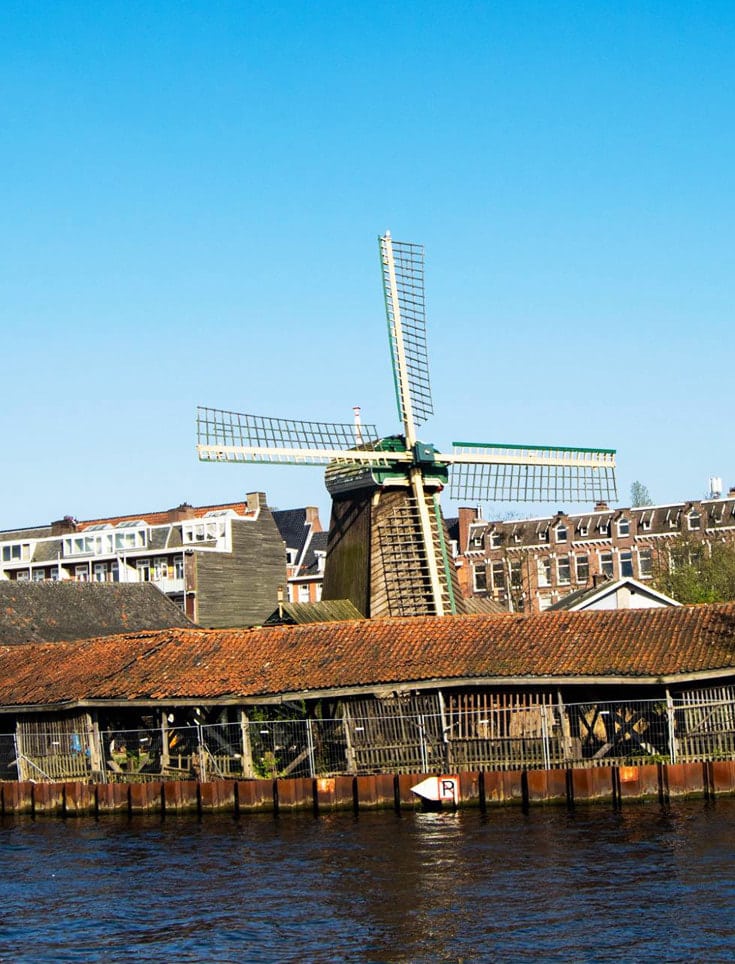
{"points": [[297, 456]]}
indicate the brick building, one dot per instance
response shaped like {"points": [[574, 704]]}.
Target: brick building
{"points": [[529, 564], [222, 564]]}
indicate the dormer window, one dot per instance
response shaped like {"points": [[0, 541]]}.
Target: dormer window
{"points": [[561, 532], [496, 539], [694, 520], [672, 518], [477, 537], [623, 527], [543, 534], [584, 527], [604, 527], [645, 521]]}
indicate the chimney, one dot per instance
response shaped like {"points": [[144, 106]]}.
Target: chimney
{"points": [[466, 517], [63, 526], [181, 512], [256, 501], [731, 493], [602, 506], [312, 518]]}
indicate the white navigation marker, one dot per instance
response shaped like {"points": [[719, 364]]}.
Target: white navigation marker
{"points": [[438, 789]]}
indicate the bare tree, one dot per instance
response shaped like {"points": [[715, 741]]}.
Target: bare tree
{"points": [[639, 495]]}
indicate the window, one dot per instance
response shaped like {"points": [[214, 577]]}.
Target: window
{"points": [[304, 593], [603, 527], [516, 573], [623, 527], [160, 569], [645, 521], [144, 570], [496, 539], [606, 563], [561, 532], [479, 576], [544, 572], [626, 563], [563, 569], [645, 563], [694, 520], [100, 572], [179, 567], [498, 573], [18, 552], [543, 534], [39, 575], [210, 531], [81, 573], [583, 528], [476, 537], [114, 572], [23, 575], [583, 568]]}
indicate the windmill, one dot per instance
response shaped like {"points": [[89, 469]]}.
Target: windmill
{"points": [[388, 548]]}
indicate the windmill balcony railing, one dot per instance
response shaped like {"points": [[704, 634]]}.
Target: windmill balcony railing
{"points": [[534, 737]]}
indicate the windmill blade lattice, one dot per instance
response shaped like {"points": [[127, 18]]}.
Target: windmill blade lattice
{"points": [[405, 306], [224, 436], [530, 473]]}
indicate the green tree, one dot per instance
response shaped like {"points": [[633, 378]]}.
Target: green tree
{"points": [[639, 495], [696, 572]]}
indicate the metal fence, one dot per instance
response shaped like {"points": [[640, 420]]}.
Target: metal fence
{"points": [[389, 741]]}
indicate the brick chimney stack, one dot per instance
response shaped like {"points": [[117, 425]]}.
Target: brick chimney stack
{"points": [[466, 517], [181, 512], [63, 526], [312, 518]]}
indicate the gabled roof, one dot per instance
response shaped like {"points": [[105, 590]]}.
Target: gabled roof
{"points": [[293, 528], [317, 544], [32, 612], [174, 665], [590, 595]]}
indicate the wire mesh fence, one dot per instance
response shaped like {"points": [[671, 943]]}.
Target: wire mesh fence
{"points": [[386, 741]]}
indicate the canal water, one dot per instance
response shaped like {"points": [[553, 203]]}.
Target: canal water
{"points": [[643, 884]]}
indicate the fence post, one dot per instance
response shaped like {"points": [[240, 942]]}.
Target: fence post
{"points": [[566, 730], [671, 724], [247, 746], [545, 738], [349, 749], [310, 746], [422, 737]]}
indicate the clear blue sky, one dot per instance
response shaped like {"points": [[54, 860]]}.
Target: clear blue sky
{"points": [[191, 194]]}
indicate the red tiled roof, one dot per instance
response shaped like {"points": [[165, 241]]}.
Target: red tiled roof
{"points": [[161, 518], [197, 664]]}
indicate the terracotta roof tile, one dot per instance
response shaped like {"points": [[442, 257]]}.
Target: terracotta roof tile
{"points": [[201, 664]]}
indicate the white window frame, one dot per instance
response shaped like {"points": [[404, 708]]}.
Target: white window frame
{"points": [[577, 559]]}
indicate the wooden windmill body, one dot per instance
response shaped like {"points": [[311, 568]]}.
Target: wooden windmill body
{"points": [[388, 550]]}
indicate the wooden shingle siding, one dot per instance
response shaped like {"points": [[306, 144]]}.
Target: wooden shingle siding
{"points": [[241, 588]]}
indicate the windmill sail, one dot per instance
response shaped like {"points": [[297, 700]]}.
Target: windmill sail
{"points": [[387, 548], [224, 436], [531, 473], [405, 307]]}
